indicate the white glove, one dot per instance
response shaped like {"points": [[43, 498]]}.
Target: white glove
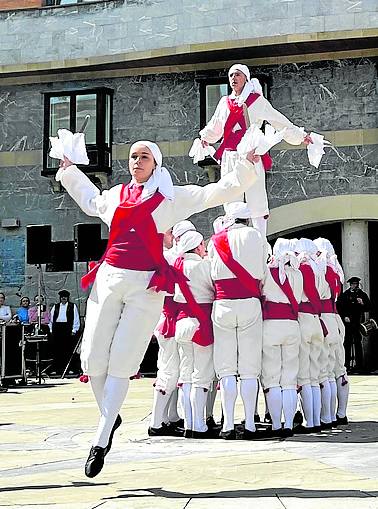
{"points": [[199, 153], [315, 150], [70, 145]]}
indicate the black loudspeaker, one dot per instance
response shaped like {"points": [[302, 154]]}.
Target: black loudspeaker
{"points": [[38, 244], [62, 257], [89, 246]]}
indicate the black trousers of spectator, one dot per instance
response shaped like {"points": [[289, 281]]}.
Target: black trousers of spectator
{"points": [[63, 343], [353, 345]]}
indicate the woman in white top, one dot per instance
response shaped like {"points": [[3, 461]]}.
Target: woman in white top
{"points": [[5, 311]]}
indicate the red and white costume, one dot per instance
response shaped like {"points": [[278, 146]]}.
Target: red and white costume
{"points": [[334, 277], [123, 306], [282, 293], [194, 332], [238, 263], [229, 123]]}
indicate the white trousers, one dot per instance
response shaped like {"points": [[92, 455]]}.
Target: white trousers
{"points": [[255, 196], [280, 359], [340, 369], [309, 349], [237, 337], [196, 361], [168, 364], [333, 340], [120, 320]]}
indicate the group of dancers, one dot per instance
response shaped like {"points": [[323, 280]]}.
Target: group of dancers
{"points": [[268, 318], [133, 277]]}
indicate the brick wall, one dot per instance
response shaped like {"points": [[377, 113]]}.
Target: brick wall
{"points": [[6, 5]]}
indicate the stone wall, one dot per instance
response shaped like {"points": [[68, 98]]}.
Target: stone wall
{"points": [[322, 96], [129, 26]]}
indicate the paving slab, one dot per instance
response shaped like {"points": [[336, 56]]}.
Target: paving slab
{"points": [[46, 434]]}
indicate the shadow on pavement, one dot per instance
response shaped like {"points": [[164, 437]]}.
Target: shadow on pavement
{"points": [[82, 484], [357, 432]]}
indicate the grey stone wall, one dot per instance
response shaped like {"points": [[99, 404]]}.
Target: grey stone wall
{"points": [[320, 96], [130, 26]]}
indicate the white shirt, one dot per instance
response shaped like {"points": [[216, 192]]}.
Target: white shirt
{"points": [[247, 247], [5, 313], [197, 270], [258, 111], [272, 292], [62, 316]]}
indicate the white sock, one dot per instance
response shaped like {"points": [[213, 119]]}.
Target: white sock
{"points": [[274, 402], [211, 395], [184, 399], [289, 405], [307, 404], [342, 395], [248, 393], [333, 387], [229, 393], [317, 403], [325, 414], [159, 409], [256, 411], [173, 415], [198, 397], [97, 384], [115, 391], [260, 224]]}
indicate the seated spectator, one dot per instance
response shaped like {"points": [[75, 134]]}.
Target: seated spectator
{"points": [[23, 311], [5, 311]]}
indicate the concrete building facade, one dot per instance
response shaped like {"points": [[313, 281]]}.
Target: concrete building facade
{"points": [[318, 61]]}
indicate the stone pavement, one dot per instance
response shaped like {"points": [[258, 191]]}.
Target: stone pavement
{"points": [[45, 439]]}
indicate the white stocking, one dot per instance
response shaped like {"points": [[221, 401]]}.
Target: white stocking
{"points": [[256, 411], [211, 395], [229, 393], [325, 414], [248, 393], [333, 388], [173, 415], [342, 395], [198, 397], [274, 402], [317, 403], [289, 404], [184, 399], [97, 384], [159, 406], [115, 391], [307, 404]]}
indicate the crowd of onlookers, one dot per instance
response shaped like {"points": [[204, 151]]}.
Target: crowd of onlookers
{"points": [[60, 324]]}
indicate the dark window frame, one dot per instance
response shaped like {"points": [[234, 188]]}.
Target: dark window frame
{"points": [[100, 153]]}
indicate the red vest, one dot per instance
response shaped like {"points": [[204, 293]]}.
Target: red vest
{"points": [[232, 139]]}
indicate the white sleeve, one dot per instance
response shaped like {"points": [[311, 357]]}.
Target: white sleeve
{"points": [[192, 199], [86, 194], [76, 322], [213, 131], [51, 317], [8, 314], [293, 135]]}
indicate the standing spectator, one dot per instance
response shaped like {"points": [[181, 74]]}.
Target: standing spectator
{"points": [[5, 311], [39, 302], [352, 305], [23, 310], [64, 324]]}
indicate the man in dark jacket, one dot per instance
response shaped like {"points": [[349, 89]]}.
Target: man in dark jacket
{"points": [[64, 324], [352, 305]]}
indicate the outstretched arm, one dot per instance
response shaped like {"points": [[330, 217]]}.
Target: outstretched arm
{"points": [[213, 131]]}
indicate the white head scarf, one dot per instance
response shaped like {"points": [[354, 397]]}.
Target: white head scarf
{"points": [[160, 179], [251, 86], [218, 224], [282, 255], [235, 210], [307, 250], [189, 240], [328, 256], [182, 227]]}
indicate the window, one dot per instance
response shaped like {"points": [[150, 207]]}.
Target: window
{"points": [[52, 3], [90, 110]]}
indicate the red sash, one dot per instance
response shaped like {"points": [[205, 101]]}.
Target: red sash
{"points": [[168, 326], [286, 288], [232, 139], [204, 335], [278, 311], [222, 247], [310, 290], [333, 280], [231, 288]]}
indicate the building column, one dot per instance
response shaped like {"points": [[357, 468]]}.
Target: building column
{"points": [[355, 242]]}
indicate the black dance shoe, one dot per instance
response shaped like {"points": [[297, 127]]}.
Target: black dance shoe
{"points": [[325, 425], [116, 425], [267, 418], [209, 433], [342, 421], [228, 435], [166, 430], [286, 432], [95, 461], [298, 417]]}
